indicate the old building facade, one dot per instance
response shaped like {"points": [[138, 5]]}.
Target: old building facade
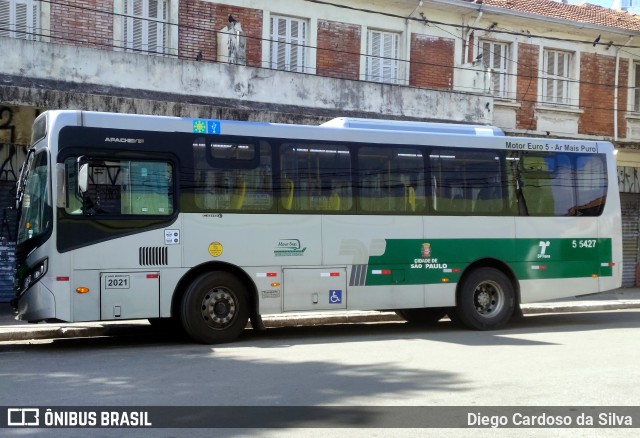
{"points": [[530, 67]]}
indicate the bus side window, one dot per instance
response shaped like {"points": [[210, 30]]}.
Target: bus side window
{"points": [[466, 182], [149, 188], [121, 187], [315, 177], [391, 180], [489, 197], [232, 176], [591, 185], [548, 184]]}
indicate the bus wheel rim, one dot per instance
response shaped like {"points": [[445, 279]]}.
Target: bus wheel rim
{"points": [[219, 308], [488, 298]]}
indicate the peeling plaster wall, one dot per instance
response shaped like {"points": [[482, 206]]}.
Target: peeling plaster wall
{"points": [[127, 82]]}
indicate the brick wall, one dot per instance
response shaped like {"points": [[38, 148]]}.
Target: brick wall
{"points": [[201, 21], [197, 32], [597, 80], [623, 90], [86, 23], [527, 85], [432, 62], [338, 53]]}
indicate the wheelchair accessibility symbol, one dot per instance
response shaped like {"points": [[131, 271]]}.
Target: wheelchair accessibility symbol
{"points": [[335, 296]]}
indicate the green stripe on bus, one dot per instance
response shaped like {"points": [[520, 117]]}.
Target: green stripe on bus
{"points": [[414, 261]]}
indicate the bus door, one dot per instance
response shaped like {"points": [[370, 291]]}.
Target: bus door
{"points": [[129, 295], [315, 288]]}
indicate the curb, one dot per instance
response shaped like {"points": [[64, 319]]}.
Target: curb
{"points": [[84, 330], [582, 307]]}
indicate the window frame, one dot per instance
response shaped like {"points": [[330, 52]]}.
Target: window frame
{"points": [[501, 74], [161, 20], [636, 87], [392, 60], [301, 44], [554, 80], [31, 23]]}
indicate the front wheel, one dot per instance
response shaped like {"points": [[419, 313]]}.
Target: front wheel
{"points": [[486, 300], [215, 308]]}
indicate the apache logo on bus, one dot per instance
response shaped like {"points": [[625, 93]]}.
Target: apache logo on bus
{"points": [[289, 247], [124, 140]]}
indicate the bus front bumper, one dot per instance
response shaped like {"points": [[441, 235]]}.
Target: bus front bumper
{"points": [[36, 304]]}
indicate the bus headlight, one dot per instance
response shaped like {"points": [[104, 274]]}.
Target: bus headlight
{"points": [[34, 274]]}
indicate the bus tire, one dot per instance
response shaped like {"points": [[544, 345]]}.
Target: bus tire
{"points": [[424, 317], [214, 308], [486, 299]]}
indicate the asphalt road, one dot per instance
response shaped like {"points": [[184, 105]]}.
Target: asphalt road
{"points": [[573, 359]]}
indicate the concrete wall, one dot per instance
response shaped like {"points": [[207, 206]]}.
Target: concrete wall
{"points": [[166, 83]]}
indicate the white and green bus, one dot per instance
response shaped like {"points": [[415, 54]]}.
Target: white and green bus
{"points": [[210, 223]]}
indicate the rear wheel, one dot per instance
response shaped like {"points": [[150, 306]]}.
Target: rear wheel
{"points": [[486, 300], [422, 316], [215, 308]]}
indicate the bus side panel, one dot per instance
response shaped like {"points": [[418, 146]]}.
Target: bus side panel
{"points": [[461, 230], [252, 240], [536, 290], [555, 250], [610, 225], [352, 240]]}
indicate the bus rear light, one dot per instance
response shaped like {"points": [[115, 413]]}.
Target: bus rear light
{"points": [[153, 275], [62, 278], [82, 290], [275, 284], [594, 275], [445, 280], [609, 264]]}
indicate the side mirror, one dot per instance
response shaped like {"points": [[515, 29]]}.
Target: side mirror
{"points": [[83, 174]]}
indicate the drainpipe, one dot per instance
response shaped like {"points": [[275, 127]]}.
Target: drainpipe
{"points": [[615, 89], [408, 42], [465, 38]]}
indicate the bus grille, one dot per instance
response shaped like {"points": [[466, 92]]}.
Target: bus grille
{"points": [[154, 255]]}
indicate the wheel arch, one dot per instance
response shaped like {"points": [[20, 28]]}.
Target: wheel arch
{"points": [[489, 262], [236, 271]]}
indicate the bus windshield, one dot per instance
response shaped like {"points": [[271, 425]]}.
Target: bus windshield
{"points": [[35, 211]]}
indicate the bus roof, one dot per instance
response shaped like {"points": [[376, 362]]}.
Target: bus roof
{"points": [[401, 125], [339, 129]]}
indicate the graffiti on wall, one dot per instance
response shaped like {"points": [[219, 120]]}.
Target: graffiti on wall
{"points": [[628, 179], [8, 175], [10, 151]]}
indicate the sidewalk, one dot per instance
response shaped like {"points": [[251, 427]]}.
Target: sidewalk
{"points": [[13, 330]]}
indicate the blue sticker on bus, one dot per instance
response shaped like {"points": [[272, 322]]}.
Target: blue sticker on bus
{"points": [[199, 126], [335, 296], [206, 126], [213, 127]]}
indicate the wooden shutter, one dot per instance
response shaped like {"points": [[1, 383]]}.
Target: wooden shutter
{"points": [[5, 18]]}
